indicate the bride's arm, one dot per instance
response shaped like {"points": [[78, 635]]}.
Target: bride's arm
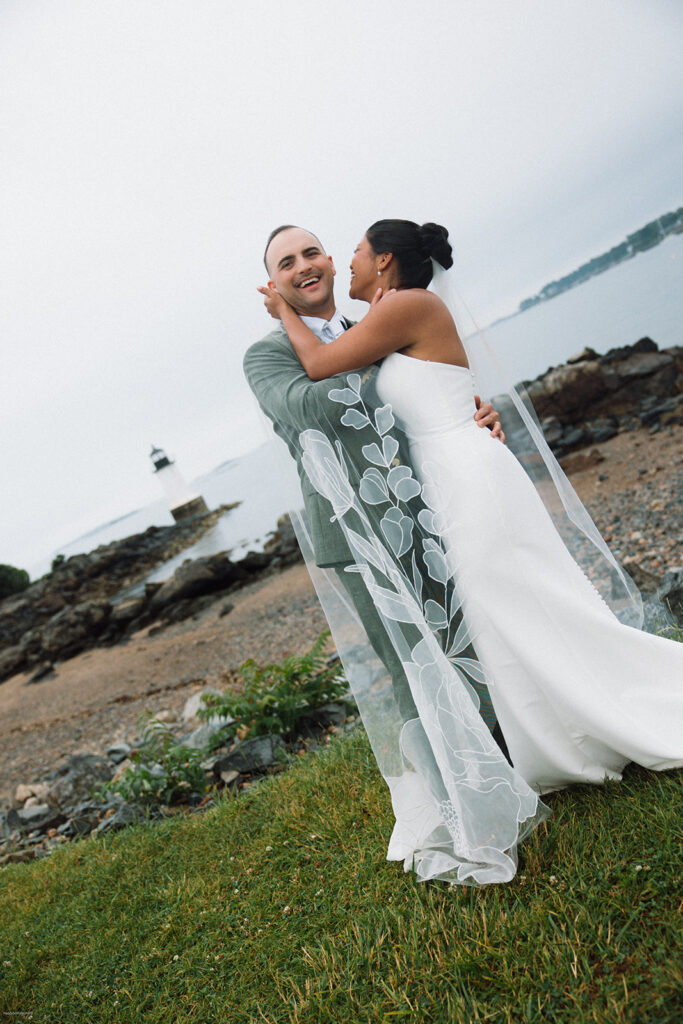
{"points": [[387, 327]]}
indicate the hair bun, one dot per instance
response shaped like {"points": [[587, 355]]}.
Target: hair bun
{"points": [[434, 238]]}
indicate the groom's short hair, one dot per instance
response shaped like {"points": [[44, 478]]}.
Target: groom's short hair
{"points": [[286, 227]]}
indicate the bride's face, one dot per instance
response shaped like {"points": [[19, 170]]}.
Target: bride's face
{"points": [[364, 266]]}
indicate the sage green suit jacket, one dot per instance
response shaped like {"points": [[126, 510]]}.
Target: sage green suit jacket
{"points": [[293, 402]]}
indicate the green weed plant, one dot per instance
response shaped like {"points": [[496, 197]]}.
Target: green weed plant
{"points": [[274, 698], [163, 771]]}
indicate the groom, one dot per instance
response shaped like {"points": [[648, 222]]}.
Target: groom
{"points": [[303, 274]]}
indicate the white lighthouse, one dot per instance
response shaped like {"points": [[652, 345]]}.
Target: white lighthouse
{"points": [[181, 502]]}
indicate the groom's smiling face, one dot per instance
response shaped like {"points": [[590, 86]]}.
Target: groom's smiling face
{"points": [[302, 272]]}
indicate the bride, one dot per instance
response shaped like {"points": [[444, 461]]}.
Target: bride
{"points": [[484, 592]]}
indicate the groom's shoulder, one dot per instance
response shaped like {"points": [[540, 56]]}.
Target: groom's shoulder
{"points": [[275, 340]]}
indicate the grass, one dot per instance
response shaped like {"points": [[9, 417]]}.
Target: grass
{"points": [[279, 906]]}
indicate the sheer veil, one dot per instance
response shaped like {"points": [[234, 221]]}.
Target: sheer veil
{"points": [[525, 438], [394, 605]]}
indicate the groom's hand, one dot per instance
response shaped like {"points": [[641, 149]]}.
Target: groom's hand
{"points": [[486, 416]]}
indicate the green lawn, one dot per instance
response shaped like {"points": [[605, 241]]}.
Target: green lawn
{"points": [[279, 906]]}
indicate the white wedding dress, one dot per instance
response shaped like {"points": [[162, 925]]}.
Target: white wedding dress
{"points": [[577, 694]]}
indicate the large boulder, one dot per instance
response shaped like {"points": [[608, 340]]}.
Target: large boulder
{"points": [[202, 576], [73, 629], [594, 394], [566, 391], [639, 376]]}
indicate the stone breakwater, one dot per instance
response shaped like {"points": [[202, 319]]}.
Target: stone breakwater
{"points": [[74, 607]]}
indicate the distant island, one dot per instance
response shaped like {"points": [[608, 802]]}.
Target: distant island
{"points": [[647, 237]]}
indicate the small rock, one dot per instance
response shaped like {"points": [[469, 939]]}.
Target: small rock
{"points": [[333, 713], [579, 461], [17, 857], [601, 430], [44, 671], [194, 703], [251, 756], [552, 429], [22, 793], [574, 436], [204, 733], [165, 716], [118, 753], [25, 791], [583, 356], [36, 818], [644, 579], [671, 592], [127, 814]]}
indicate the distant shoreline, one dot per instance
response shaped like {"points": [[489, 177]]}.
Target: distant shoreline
{"points": [[646, 237]]}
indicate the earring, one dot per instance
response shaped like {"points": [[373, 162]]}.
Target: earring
{"points": [[379, 273]]}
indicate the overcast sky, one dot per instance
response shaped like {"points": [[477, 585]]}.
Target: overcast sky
{"points": [[150, 145]]}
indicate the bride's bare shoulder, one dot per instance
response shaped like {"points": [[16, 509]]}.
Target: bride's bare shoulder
{"points": [[417, 299]]}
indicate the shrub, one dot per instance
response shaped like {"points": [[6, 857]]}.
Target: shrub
{"points": [[12, 581], [163, 771], [276, 697]]}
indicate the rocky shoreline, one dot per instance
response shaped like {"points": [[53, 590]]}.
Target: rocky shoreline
{"points": [[75, 607], [592, 397], [81, 662]]}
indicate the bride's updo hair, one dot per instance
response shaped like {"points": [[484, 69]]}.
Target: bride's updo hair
{"points": [[413, 247]]}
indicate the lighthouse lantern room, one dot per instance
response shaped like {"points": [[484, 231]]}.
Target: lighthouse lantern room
{"points": [[181, 502]]}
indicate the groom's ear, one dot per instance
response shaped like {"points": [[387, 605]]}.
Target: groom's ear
{"points": [[334, 269]]}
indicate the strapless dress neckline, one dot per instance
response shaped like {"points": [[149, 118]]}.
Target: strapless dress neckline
{"points": [[429, 362]]}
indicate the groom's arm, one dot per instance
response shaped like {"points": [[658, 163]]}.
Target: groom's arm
{"points": [[283, 389]]}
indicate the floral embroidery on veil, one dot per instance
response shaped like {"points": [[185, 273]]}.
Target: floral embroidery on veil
{"points": [[460, 806]]}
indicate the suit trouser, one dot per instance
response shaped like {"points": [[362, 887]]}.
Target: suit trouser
{"points": [[381, 641], [386, 651]]}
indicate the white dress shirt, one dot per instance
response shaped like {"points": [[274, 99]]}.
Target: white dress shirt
{"points": [[326, 330]]}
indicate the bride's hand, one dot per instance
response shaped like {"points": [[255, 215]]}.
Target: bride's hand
{"points": [[273, 302], [381, 294]]}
